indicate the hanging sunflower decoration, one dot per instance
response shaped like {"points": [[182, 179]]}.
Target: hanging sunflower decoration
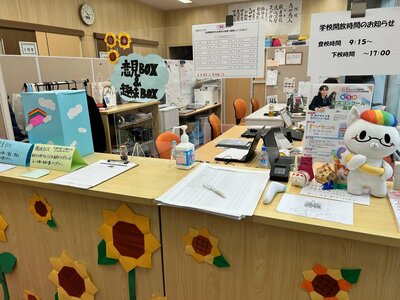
{"points": [[29, 295], [41, 209], [113, 56], [3, 226], [71, 279], [110, 39], [127, 239], [154, 297], [7, 264], [333, 284], [124, 40], [203, 247]]}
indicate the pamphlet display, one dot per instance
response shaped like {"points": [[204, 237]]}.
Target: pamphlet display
{"points": [[58, 118], [325, 126]]}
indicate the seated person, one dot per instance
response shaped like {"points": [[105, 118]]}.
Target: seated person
{"points": [[322, 100]]}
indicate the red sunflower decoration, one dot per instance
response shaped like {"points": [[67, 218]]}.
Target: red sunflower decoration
{"points": [[110, 39], [124, 40]]}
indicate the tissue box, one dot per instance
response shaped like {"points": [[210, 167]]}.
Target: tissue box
{"points": [[59, 118]]}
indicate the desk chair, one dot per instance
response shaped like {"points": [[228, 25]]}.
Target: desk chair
{"points": [[255, 104], [240, 107], [215, 124], [164, 142]]}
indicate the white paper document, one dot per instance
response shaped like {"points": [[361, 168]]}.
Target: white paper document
{"points": [[315, 189], [93, 174], [242, 190], [323, 209], [394, 198], [272, 77], [5, 167], [233, 153]]}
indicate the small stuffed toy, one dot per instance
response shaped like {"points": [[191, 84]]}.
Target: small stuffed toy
{"points": [[300, 179], [369, 138], [325, 173]]}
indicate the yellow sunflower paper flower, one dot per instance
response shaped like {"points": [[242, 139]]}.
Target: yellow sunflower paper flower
{"points": [[203, 247], [329, 284], [41, 209], [29, 295], [71, 279], [124, 40], [110, 39], [113, 56], [3, 226], [128, 238]]}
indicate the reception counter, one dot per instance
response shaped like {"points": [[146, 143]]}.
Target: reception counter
{"points": [[266, 252]]}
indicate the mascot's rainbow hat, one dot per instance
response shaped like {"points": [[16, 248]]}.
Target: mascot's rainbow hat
{"points": [[379, 117]]}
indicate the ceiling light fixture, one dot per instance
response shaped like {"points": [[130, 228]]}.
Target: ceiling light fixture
{"points": [[185, 1]]}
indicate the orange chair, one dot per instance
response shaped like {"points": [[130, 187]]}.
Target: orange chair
{"points": [[215, 124], [255, 105], [164, 142], [240, 107]]}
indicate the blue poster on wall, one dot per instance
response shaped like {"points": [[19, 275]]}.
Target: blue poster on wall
{"points": [[140, 79], [58, 118]]}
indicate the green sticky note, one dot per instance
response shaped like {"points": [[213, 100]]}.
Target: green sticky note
{"points": [[52, 223], [55, 157], [102, 258], [7, 262], [220, 262], [351, 275], [35, 174]]}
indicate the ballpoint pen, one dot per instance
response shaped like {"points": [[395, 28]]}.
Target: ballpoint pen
{"points": [[213, 189]]}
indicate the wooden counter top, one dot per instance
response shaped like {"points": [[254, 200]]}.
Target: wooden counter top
{"points": [[141, 185]]}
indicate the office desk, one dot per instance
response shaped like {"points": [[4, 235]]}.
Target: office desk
{"points": [[213, 107], [127, 108], [258, 118], [267, 252]]}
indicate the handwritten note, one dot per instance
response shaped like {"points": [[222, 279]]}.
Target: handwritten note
{"points": [[15, 153], [56, 157]]}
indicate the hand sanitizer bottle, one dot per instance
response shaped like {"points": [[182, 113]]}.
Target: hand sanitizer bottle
{"points": [[184, 152]]}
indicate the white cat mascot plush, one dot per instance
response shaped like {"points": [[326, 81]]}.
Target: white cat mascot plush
{"points": [[369, 138]]}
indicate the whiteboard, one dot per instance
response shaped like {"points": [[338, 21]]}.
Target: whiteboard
{"points": [[229, 52]]}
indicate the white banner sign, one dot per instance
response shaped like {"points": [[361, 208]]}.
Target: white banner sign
{"points": [[341, 45], [229, 52], [281, 17]]}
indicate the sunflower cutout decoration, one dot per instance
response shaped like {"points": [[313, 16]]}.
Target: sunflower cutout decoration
{"points": [[3, 226], [124, 40], [29, 295], [127, 239], [113, 56], [154, 297], [330, 284], [203, 247], [7, 264], [71, 279], [110, 39], [41, 209]]}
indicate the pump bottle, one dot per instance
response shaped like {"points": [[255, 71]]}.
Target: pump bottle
{"points": [[185, 151]]}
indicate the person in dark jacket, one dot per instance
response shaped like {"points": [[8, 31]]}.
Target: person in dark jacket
{"points": [[322, 100]]}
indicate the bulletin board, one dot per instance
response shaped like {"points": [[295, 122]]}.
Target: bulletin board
{"points": [[179, 90], [298, 71]]}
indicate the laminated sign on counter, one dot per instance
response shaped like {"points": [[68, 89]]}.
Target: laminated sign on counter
{"points": [[58, 118]]}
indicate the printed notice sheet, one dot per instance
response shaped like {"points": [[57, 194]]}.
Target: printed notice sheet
{"points": [[314, 189], [394, 198], [229, 52], [323, 209], [93, 174], [342, 45], [241, 190]]}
